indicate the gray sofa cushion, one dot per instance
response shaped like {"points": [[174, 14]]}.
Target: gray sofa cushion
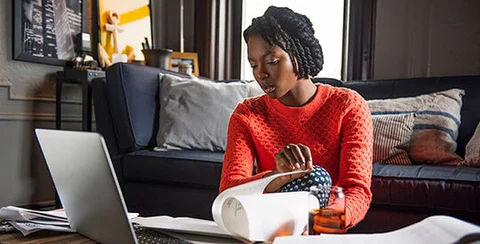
{"points": [[194, 114]]}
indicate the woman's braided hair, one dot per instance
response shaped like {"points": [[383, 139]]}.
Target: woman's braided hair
{"points": [[293, 33]]}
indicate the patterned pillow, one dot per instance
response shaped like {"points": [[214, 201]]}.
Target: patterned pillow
{"points": [[435, 127], [317, 177], [472, 150], [391, 138]]}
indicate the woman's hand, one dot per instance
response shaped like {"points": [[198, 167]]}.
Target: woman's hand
{"points": [[292, 157]]}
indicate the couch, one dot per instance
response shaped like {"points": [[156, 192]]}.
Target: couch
{"points": [[185, 182]]}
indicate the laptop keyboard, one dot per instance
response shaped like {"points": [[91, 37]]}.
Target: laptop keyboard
{"points": [[147, 236]]}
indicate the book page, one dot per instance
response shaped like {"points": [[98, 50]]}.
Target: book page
{"points": [[182, 224], [254, 188], [434, 229], [263, 217]]}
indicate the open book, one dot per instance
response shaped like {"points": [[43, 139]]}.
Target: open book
{"points": [[244, 212]]}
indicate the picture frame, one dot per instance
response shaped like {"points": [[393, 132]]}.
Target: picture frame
{"points": [[134, 25], [39, 36], [184, 57]]}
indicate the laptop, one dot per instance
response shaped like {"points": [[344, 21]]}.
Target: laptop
{"points": [[83, 175]]}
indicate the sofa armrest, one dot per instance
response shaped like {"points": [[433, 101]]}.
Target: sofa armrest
{"points": [[103, 122]]}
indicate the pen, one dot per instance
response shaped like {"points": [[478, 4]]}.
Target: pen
{"points": [[146, 43]]}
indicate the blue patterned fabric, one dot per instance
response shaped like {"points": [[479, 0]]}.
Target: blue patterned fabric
{"points": [[317, 177]]}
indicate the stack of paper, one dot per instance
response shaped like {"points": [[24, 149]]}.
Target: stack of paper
{"points": [[29, 221]]}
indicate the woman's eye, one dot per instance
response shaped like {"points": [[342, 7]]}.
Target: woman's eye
{"points": [[253, 66], [273, 62]]}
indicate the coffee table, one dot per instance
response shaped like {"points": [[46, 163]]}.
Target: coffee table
{"points": [[44, 236]]}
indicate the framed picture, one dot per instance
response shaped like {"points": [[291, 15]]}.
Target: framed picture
{"points": [[44, 30], [190, 58], [123, 27]]}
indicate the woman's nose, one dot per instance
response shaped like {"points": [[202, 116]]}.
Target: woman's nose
{"points": [[261, 74]]}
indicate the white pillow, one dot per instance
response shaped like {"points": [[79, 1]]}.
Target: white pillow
{"points": [[472, 150], [254, 89]]}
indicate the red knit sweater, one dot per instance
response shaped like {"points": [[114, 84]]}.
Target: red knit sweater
{"points": [[336, 125]]}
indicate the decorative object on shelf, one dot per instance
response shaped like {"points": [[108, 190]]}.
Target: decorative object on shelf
{"points": [[181, 59], [44, 31], [121, 30], [82, 60], [157, 57]]}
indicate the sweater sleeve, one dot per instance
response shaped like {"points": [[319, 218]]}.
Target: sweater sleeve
{"points": [[238, 163], [356, 159]]}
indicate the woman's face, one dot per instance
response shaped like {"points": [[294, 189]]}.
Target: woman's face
{"points": [[271, 67]]}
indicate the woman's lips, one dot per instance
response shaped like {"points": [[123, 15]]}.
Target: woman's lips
{"points": [[269, 89]]}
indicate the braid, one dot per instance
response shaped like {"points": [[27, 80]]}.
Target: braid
{"points": [[293, 33]]}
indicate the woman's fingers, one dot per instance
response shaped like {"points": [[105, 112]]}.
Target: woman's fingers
{"points": [[308, 156], [299, 157], [282, 162], [287, 152], [294, 156]]}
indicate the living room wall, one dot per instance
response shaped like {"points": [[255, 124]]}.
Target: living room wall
{"points": [[27, 101], [427, 38]]}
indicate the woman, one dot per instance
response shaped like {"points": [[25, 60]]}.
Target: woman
{"points": [[298, 124]]}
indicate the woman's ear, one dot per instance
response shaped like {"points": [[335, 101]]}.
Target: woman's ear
{"points": [[295, 67]]}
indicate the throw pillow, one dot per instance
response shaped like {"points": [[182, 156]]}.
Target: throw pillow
{"points": [[391, 138], [317, 177], [194, 114], [436, 123], [472, 150]]}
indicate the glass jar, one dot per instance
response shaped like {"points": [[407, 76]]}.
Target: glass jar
{"points": [[327, 210]]}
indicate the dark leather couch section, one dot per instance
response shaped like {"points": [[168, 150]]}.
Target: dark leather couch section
{"points": [[428, 194], [133, 95], [434, 187], [172, 199], [427, 172], [192, 168], [185, 183]]}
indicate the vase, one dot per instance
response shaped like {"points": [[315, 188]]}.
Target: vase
{"points": [[157, 57]]}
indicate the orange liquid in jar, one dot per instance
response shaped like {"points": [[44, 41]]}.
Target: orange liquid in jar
{"points": [[326, 221]]}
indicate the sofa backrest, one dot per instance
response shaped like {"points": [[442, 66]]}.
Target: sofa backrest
{"points": [[470, 114], [132, 101], [131, 105], [132, 94]]}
